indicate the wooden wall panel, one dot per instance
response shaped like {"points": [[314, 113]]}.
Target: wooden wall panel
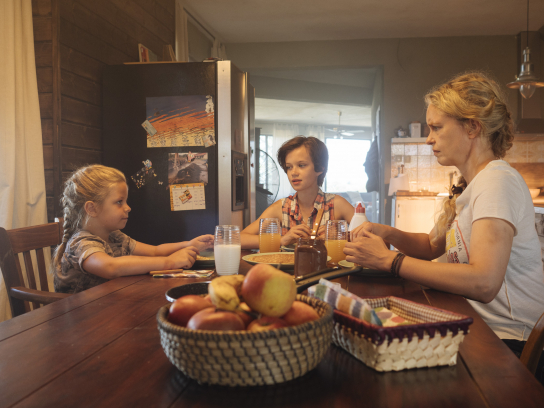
{"points": [[42, 28], [43, 54], [74, 40], [81, 136], [80, 64], [46, 105], [73, 158], [45, 79], [80, 88], [47, 131], [41, 7], [80, 112]]}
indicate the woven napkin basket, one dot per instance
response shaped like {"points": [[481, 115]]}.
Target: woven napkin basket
{"points": [[432, 341], [244, 358]]}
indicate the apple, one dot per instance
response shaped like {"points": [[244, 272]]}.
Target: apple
{"points": [[246, 317], [300, 313], [267, 323], [268, 290], [217, 320], [185, 307]]}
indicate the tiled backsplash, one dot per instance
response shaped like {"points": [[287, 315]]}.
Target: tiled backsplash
{"points": [[425, 174]]}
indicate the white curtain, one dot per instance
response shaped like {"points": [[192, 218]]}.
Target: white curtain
{"points": [[316, 131], [283, 132], [22, 182], [182, 37]]}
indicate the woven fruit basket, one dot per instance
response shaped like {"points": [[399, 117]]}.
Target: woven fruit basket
{"points": [[432, 341], [244, 358]]}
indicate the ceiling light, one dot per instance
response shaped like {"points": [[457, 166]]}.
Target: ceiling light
{"points": [[347, 134], [526, 81]]}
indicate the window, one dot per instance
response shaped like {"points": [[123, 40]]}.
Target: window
{"points": [[265, 161], [346, 170]]}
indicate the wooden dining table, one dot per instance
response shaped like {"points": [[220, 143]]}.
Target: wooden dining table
{"points": [[101, 348]]}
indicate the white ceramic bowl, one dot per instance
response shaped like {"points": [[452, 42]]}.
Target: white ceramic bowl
{"points": [[534, 192]]}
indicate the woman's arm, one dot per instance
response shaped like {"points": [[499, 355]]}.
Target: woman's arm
{"points": [[106, 266], [250, 235], [480, 279], [416, 245]]}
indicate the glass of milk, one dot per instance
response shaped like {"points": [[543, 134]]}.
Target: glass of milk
{"points": [[227, 249]]}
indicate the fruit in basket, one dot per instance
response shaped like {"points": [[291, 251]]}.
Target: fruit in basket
{"points": [[185, 307], [268, 290], [224, 291], [299, 313], [267, 323], [246, 314], [217, 320]]}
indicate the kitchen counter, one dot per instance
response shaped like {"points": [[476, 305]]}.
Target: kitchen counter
{"points": [[539, 201]]}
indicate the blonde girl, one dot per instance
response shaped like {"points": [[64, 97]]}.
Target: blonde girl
{"points": [[93, 249], [487, 229]]}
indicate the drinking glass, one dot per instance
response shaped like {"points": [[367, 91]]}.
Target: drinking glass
{"points": [[269, 235], [227, 249], [336, 236]]}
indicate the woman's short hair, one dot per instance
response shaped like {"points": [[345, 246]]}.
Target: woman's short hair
{"points": [[317, 150], [475, 96]]}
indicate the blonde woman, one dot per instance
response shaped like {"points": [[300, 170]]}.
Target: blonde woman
{"points": [[487, 226], [93, 249]]}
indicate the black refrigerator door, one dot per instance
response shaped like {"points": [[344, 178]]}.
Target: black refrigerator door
{"points": [[125, 89]]}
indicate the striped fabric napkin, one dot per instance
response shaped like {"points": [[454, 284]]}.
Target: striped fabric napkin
{"points": [[353, 305]]}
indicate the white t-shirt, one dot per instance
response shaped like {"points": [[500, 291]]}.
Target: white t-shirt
{"points": [[499, 191]]}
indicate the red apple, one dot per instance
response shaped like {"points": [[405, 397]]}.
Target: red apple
{"points": [[210, 319], [300, 313], [246, 317], [268, 290], [185, 307], [266, 323]]}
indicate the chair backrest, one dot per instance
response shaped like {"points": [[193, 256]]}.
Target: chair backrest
{"points": [[25, 241], [533, 348]]}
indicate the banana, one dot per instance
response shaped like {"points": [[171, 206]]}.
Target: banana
{"points": [[224, 291]]}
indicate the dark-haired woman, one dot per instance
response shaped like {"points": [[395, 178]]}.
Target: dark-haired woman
{"points": [[487, 226], [305, 160]]}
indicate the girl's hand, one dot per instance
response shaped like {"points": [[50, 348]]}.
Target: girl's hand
{"points": [[184, 258], [202, 242], [369, 250], [299, 231], [321, 232]]}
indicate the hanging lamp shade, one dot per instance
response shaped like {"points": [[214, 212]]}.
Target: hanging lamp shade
{"points": [[526, 81]]}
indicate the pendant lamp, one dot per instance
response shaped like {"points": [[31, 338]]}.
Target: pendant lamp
{"points": [[526, 81]]}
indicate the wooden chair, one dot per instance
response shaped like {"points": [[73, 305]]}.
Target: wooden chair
{"points": [[533, 348], [25, 240]]}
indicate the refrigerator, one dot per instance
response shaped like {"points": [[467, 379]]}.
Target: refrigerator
{"points": [[180, 132]]}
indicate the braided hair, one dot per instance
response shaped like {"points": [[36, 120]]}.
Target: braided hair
{"points": [[89, 183], [473, 96]]}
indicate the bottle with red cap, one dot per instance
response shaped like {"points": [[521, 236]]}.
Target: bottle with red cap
{"points": [[358, 218]]}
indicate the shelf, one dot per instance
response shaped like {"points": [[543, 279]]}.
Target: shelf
{"points": [[408, 140]]}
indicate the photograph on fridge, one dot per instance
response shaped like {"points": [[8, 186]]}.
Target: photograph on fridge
{"points": [[187, 168], [185, 120]]}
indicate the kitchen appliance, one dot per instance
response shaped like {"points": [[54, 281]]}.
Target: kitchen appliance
{"points": [[126, 91]]}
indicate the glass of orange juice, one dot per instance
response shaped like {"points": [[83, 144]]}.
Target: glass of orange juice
{"points": [[336, 236], [269, 235]]}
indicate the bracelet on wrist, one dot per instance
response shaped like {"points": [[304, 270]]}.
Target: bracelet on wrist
{"points": [[395, 265]]}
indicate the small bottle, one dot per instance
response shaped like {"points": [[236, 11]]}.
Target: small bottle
{"points": [[358, 218]]}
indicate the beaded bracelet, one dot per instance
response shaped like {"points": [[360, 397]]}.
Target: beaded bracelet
{"points": [[395, 265]]}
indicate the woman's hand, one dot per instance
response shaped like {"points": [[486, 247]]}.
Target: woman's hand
{"points": [[299, 231], [184, 258], [369, 250], [202, 242], [365, 226]]}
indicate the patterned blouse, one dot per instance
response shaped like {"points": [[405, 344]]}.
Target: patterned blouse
{"points": [[72, 278], [292, 216]]}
